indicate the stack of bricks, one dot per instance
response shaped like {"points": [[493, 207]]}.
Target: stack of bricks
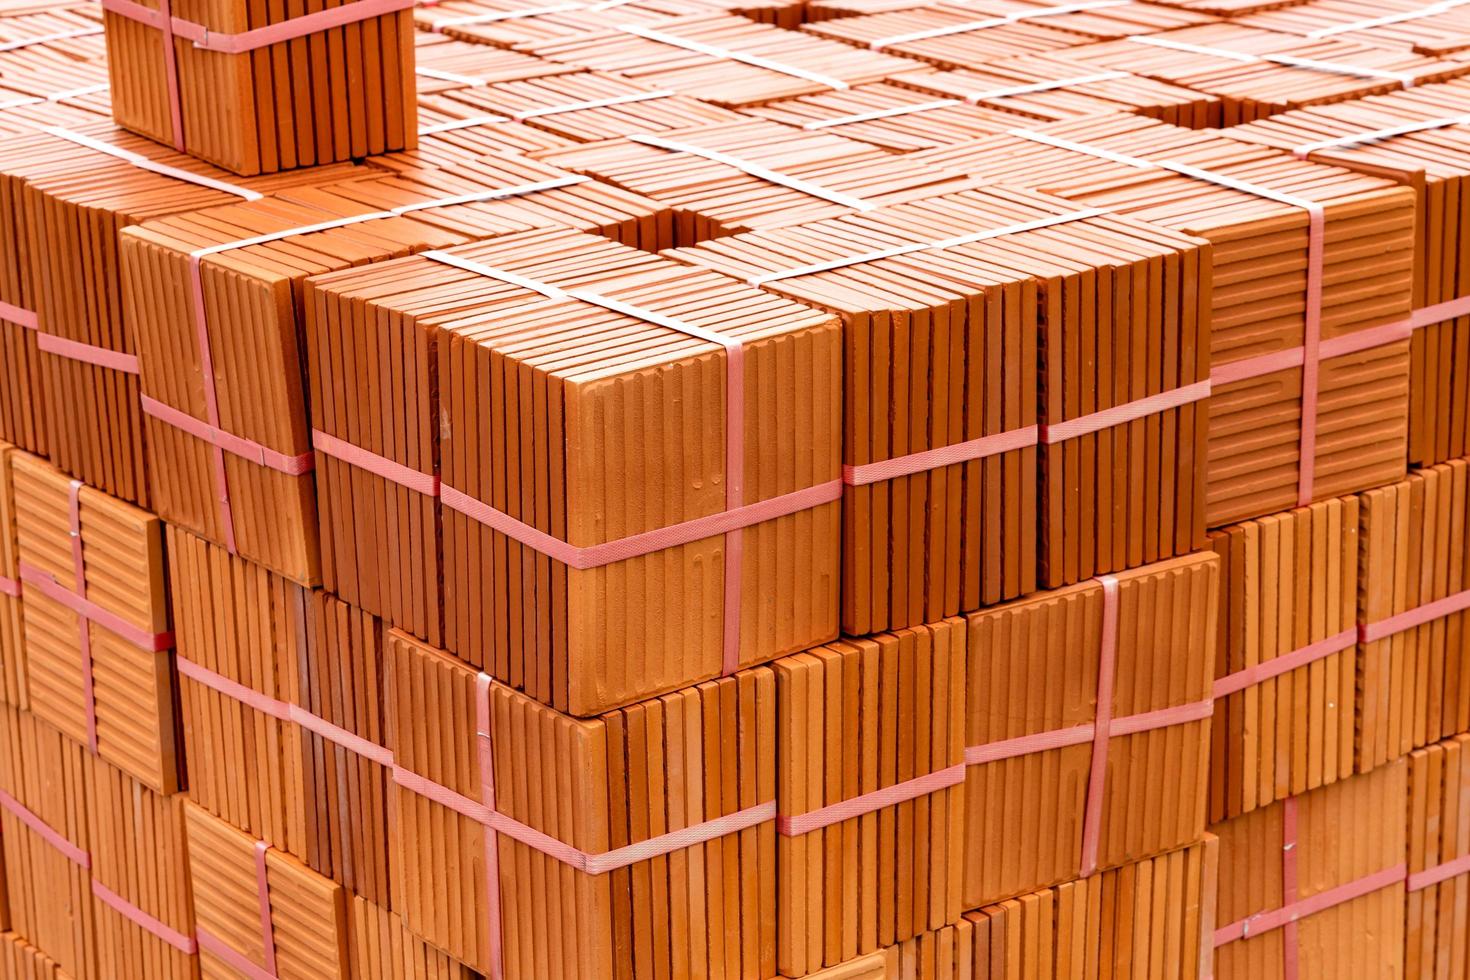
{"points": [[835, 489]]}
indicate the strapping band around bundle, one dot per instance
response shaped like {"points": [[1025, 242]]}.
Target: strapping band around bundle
{"points": [[10, 587], [76, 350], [162, 19], [1311, 353], [87, 611], [18, 315], [756, 170], [209, 428], [1406, 79], [79, 857], [1139, 408], [153, 166], [1431, 10], [1290, 914], [68, 850], [1377, 135], [381, 466], [1285, 664], [61, 96], [1098, 732], [989, 22], [726, 54], [874, 114], [182, 942], [871, 802], [497, 16], [285, 711], [1418, 616], [27, 42], [730, 522], [1438, 874], [612, 100], [1011, 91]]}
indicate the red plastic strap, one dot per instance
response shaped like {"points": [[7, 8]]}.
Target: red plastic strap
{"points": [[1429, 877], [210, 943], [75, 350], [1125, 413], [163, 20], [390, 470], [1261, 922], [15, 314], [1418, 616], [70, 851], [1275, 667], [10, 587], [178, 940], [1107, 668], [247, 449], [857, 806], [933, 459]]}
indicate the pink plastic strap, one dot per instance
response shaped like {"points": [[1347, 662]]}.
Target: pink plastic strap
{"points": [[285, 711], [486, 755], [1061, 738], [1295, 357], [933, 459], [1429, 877], [1262, 922], [1290, 890], [210, 943], [593, 864], [1127, 412], [45, 583], [84, 628], [68, 850], [390, 470], [1418, 616], [1287, 662], [857, 806], [247, 449], [15, 314], [234, 690], [175, 938], [263, 893], [1107, 666], [211, 400], [597, 555], [1450, 309], [162, 19], [75, 350], [10, 587]]}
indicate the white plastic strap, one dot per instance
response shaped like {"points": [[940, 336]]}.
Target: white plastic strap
{"points": [[46, 38], [989, 22], [500, 15], [689, 44], [1406, 79], [143, 163], [1010, 90], [612, 100], [756, 170], [889, 113], [1373, 136], [1431, 10], [897, 250]]}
